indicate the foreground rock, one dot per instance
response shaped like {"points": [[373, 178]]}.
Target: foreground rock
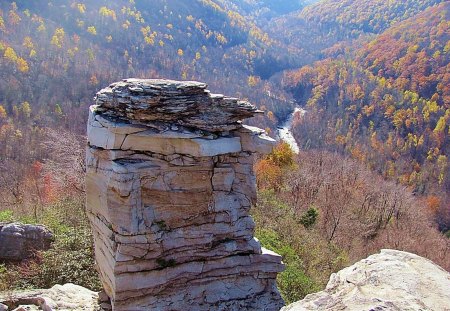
{"points": [[18, 241], [169, 186], [391, 280], [59, 297]]}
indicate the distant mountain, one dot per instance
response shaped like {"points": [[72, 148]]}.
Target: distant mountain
{"points": [[322, 24], [273, 7], [351, 17]]}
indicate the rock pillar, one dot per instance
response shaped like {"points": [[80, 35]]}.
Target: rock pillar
{"points": [[169, 188]]}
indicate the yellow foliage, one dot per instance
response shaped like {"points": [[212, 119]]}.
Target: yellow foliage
{"points": [[22, 65], [28, 43], [145, 30], [109, 38], [3, 113], [198, 55], [10, 55], [442, 163], [26, 109], [180, 52], [81, 8], [161, 43], [282, 155], [440, 126], [253, 81], [270, 170], [340, 140], [2, 24], [104, 11], [149, 40], [92, 30], [268, 175], [221, 38], [58, 37], [41, 27]]}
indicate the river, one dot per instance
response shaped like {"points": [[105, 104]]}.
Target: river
{"points": [[285, 133]]}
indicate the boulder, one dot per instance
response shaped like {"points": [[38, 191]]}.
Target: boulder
{"points": [[59, 297], [390, 280], [18, 241]]}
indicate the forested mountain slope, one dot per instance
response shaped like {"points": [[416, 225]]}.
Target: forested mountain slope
{"points": [[350, 18], [57, 53], [414, 54], [387, 105], [327, 22]]}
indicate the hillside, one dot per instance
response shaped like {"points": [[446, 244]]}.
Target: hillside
{"points": [[52, 46], [398, 125], [351, 18], [414, 54]]}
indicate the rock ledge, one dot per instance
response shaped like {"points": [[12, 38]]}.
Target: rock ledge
{"points": [[185, 103], [391, 280]]}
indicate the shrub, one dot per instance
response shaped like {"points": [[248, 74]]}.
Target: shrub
{"points": [[6, 216], [309, 218], [70, 260], [293, 283]]}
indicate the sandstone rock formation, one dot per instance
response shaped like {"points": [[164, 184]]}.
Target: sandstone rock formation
{"points": [[59, 297], [391, 280], [17, 241], [169, 186]]}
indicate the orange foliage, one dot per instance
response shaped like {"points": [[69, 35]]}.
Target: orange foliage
{"points": [[433, 203]]}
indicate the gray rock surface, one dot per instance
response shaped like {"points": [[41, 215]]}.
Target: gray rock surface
{"points": [[169, 184], [17, 241], [185, 103], [59, 297], [391, 280]]}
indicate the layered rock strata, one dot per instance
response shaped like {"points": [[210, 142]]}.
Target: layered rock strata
{"points": [[169, 188]]}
